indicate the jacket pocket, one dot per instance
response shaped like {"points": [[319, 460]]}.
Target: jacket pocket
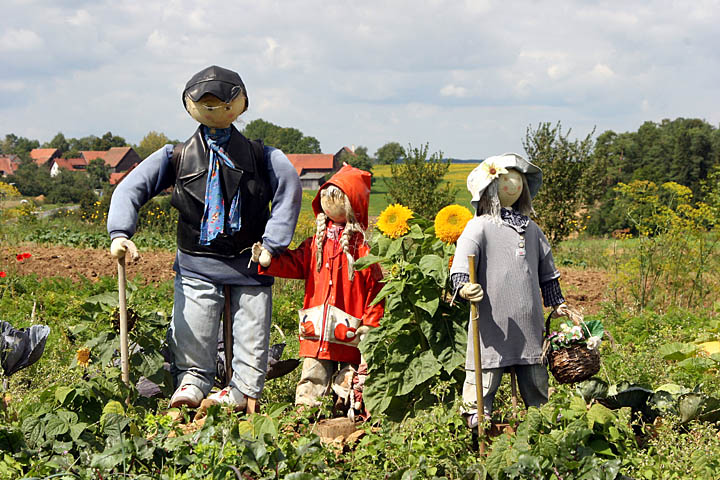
{"points": [[311, 322], [342, 326]]}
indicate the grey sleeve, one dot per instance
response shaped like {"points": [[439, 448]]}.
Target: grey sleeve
{"points": [[467, 244], [286, 201], [546, 265], [150, 177]]}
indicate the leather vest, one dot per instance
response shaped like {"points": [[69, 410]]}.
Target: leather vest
{"points": [[249, 175]]}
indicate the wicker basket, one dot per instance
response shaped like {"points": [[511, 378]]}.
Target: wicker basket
{"points": [[574, 363]]}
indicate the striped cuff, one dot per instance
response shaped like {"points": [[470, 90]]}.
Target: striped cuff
{"points": [[458, 280], [551, 293]]}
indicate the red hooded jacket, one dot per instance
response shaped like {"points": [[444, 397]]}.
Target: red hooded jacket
{"points": [[334, 307]]}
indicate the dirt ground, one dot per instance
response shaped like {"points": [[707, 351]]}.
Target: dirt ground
{"points": [[582, 288]]}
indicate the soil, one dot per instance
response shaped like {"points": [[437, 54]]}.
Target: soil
{"points": [[582, 288]]}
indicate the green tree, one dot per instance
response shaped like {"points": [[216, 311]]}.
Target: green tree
{"points": [[60, 142], [98, 173], [20, 146], [69, 187], [151, 143], [389, 153], [30, 179], [418, 182], [287, 139], [564, 163], [360, 159]]}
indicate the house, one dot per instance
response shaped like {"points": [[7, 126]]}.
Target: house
{"points": [[119, 159], [314, 168], [44, 156], [73, 164], [8, 165]]}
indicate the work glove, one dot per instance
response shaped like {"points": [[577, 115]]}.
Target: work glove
{"points": [[260, 255], [121, 245], [471, 292], [561, 310]]}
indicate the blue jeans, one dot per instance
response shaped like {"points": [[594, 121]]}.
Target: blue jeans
{"points": [[532, 382], [193, 334]]}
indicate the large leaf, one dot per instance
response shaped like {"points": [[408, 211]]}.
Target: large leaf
{"points": [[420, 369], [598, 414], [447, 337], [366, 261], [433, 266], [426, 298], [593, 389], [677, 351]]}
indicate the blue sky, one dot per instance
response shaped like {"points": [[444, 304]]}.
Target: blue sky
{"points": [[466, 76]]}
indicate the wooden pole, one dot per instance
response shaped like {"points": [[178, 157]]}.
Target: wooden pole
{"points": [[478, 361], [513, 386], [122, 306], [228, 337]]}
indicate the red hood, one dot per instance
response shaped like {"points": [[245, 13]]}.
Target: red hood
{"points": [[354, 183]]}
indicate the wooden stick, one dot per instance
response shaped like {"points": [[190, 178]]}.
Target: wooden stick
{"points": [[228, 337], [513, 386], [478, 361], [122, 306]]}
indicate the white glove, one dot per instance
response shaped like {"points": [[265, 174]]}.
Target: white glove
{"points": [[122, 245], [362, 331], [561, 310], [260, 255], [472, 292]]}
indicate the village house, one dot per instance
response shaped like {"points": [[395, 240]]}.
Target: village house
{"points": [[44, 156], [8, 164], [314, 168], [119, 159]]}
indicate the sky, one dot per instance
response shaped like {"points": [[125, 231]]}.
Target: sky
{"points": [[467, 77]]}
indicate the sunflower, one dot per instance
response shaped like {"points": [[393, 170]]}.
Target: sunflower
{"points": [[393, 221], [450, 222], [83, 356]]}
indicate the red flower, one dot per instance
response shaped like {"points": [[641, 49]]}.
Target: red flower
{"points": [[22, 256], [3, 274], [26, 255]]}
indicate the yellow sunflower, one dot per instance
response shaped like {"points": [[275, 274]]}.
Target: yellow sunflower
{"points": [[393, 221], [450, 222], [83, 356]]}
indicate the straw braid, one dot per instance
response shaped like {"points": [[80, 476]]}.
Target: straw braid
{"points": [[320, 225]]}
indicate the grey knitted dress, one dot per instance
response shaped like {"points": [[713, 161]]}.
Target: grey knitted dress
{"points": [[510, 266]]}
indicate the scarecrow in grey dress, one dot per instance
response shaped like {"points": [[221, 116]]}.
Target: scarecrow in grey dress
{"points": [[514, 265]]}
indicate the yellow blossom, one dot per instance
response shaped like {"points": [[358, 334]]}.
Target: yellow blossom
{"points": [[393, 221], [83, 356], [492, 171], [450, 222]]}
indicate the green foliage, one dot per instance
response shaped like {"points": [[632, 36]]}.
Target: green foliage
{"points": [[566, 177], [418, 182], [30, 179], [152, 142], [20, 146], [287, 139], [389, 153], [422, 338], [358, 159], [98, 173]]}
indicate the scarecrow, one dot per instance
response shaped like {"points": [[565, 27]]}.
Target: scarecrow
{"points": [[223, 185], [515, 266], [337, 308]]}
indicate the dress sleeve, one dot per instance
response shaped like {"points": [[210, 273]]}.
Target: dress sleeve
{"points": [[291, 263], [546, 266], [551, 293]]}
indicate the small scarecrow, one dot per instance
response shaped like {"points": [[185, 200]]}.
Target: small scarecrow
{"points": [[337, 307], [515, 265], [223, 185]]}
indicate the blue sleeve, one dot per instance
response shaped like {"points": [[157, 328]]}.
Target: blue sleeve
{"points": [[286, 201], [150, 177]]}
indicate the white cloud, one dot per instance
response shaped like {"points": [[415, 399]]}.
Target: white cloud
{"points": [[602, 71], [452, 90], [80, 18], [20, 40]]}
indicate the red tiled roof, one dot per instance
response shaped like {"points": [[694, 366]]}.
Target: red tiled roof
{"points": [[8, 164], [308, 161], [93, 154], [115, 155], [71, 163], [116, 177], [42, 155]]}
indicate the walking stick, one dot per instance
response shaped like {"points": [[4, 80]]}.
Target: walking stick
{"points": [[478, 361], [124, 354], [513, 387]]}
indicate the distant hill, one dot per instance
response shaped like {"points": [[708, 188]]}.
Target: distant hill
{"points": [[460, 160]]}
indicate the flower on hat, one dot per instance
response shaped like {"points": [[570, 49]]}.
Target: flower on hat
{"points": [[393, 221], [492, 170], [450, 222]]}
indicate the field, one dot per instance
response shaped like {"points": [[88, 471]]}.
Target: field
{"points": [[654, 417]]}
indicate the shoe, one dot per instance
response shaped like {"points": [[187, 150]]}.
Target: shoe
{"points": [[187, 394], [230, 396]]}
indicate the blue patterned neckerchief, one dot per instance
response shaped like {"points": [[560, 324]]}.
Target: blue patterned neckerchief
{"points": [[213, 221]]}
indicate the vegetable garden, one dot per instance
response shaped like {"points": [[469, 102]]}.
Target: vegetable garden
{"points": [[651, 412]]}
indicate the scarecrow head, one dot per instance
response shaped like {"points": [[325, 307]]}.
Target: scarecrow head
{"points": [[506, 180], [215, 97]]}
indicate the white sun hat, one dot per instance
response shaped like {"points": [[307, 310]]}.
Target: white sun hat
{"points": [[492, 167]]}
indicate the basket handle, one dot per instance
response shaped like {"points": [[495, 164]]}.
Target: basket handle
{"points": [[575, 316]]}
